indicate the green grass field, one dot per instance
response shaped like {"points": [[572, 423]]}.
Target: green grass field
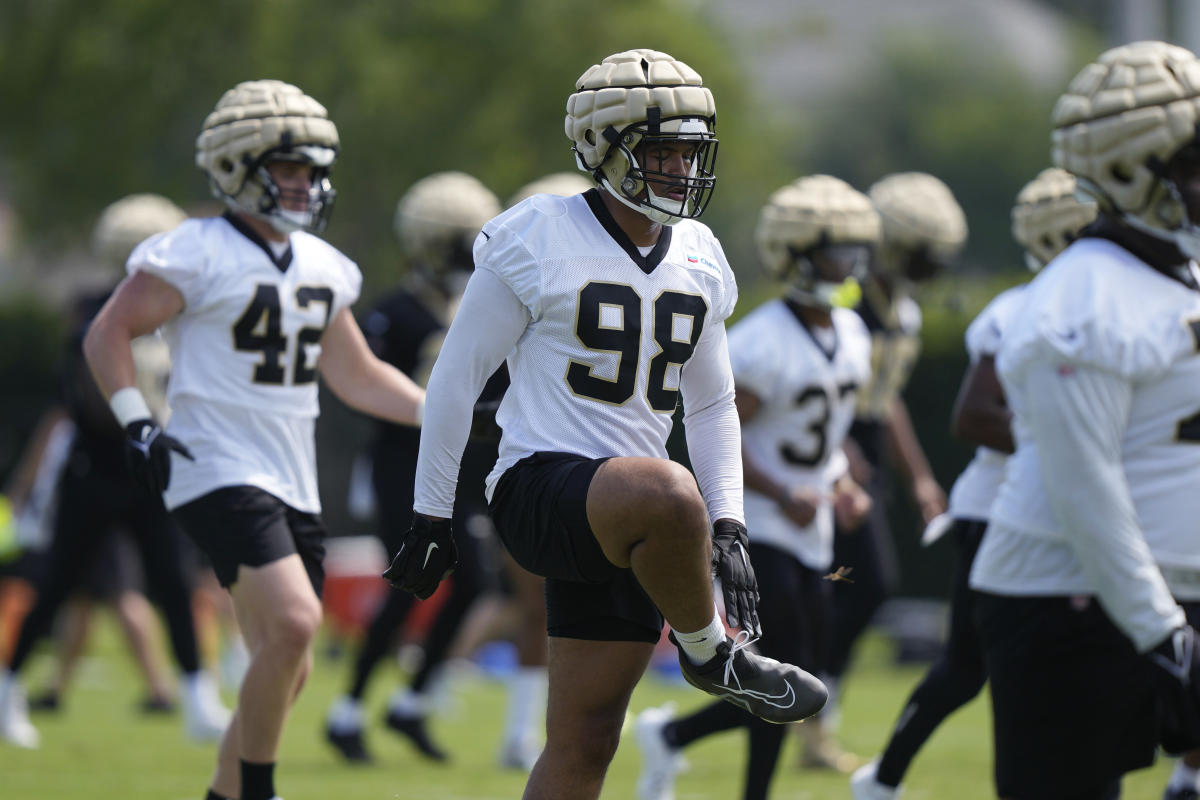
{"points": [[100, 748]]}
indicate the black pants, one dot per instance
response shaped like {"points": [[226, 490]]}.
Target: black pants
{"points": [[953, 680], [476, 573], [794, 610], [871, 555], [94, 505]]}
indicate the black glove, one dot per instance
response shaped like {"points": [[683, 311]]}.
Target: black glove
{"points": [[731, 563], [1177, 689], [148, 454], [427, 555]]}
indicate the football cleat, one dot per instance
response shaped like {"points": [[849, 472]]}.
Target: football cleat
{"points": [[15, 727], [768, 689], [660, 762], [864, 786], [1181, 793], [205, 717], [413, 728], [519, 754]]}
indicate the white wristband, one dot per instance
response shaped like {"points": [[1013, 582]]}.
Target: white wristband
{"points": [[128, 406], [419, 414]]}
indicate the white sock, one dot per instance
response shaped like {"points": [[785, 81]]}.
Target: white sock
{"points": [[526, 700], [345, 715], [407, 703], [1184, 777], [701, 646]]}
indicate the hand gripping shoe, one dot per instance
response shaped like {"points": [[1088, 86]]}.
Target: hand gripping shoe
{"points": [[768, 689]]}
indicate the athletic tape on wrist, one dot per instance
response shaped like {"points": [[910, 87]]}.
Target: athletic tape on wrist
{"points": [[128, 406]]}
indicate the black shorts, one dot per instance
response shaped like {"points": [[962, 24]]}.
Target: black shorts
{"points": [[1072, 701], [540, 511], [244, 525]]}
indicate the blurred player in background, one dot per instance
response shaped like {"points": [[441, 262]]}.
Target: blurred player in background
{"points": [[436, 222], [923, 230], [1090, 658], [253, 305], [609, 308], [98, 498], [797, 362], [1046, 218]]}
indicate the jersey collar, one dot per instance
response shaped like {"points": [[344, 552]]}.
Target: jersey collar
{"points": [[282, 263], [794, 307], [646, 263]]}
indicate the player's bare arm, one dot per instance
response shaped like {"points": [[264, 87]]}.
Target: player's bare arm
{"points": [[981, 414], [926, 492], [361, 380], [139, 306]]}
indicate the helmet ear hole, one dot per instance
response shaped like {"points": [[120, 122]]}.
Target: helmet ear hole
{"points": [[225, 165], [589, 136], [1119, 173]]}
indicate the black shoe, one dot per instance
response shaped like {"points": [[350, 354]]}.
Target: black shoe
{"points": [[157, 705], [767, 688], [47, 701], [1181, 794], [350, 745], [414, 729]]}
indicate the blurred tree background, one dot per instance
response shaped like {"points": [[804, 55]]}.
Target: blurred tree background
{"points": [[102, 98]]}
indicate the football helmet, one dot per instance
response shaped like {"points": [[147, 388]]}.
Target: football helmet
{"points": [[125, 224], [818, 233], [627, 105], [924, 228], [1048, 215], [258, 122], [563, 184], [438, 219], [1126, 127]]}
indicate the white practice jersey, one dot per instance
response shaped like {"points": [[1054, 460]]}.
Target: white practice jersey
{"points": [[972, 495], [1107, 350], [602, 344], [808, 397], [244, 350]]}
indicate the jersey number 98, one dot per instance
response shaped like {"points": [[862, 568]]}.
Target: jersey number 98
{"points": [[621, 333]]}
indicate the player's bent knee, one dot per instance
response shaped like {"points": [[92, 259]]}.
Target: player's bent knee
{"points": [[295, 630]]}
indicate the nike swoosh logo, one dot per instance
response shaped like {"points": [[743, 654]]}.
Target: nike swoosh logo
{"points": [[428, 552]]}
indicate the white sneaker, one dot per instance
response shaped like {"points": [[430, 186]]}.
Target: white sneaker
{"points": [[520, 754], [15, 727], [205, 717], [863, 785], [660, 762]]}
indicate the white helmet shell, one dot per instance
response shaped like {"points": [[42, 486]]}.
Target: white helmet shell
{"points": [[125, 224], [256, 120], [1120, 121], [1048, 215], [632, 96]]}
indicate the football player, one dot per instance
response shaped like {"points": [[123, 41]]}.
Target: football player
{"points": [[97, 501], [797, 363], [253, 306], [923, 231], [1090, 658], [436, 222], [609, 308], [1047, 216]]}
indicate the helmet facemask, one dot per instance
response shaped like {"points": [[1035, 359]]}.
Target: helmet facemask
{"points": [[828, 276], [273, 204], [1177, 200], [662, 196]]}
